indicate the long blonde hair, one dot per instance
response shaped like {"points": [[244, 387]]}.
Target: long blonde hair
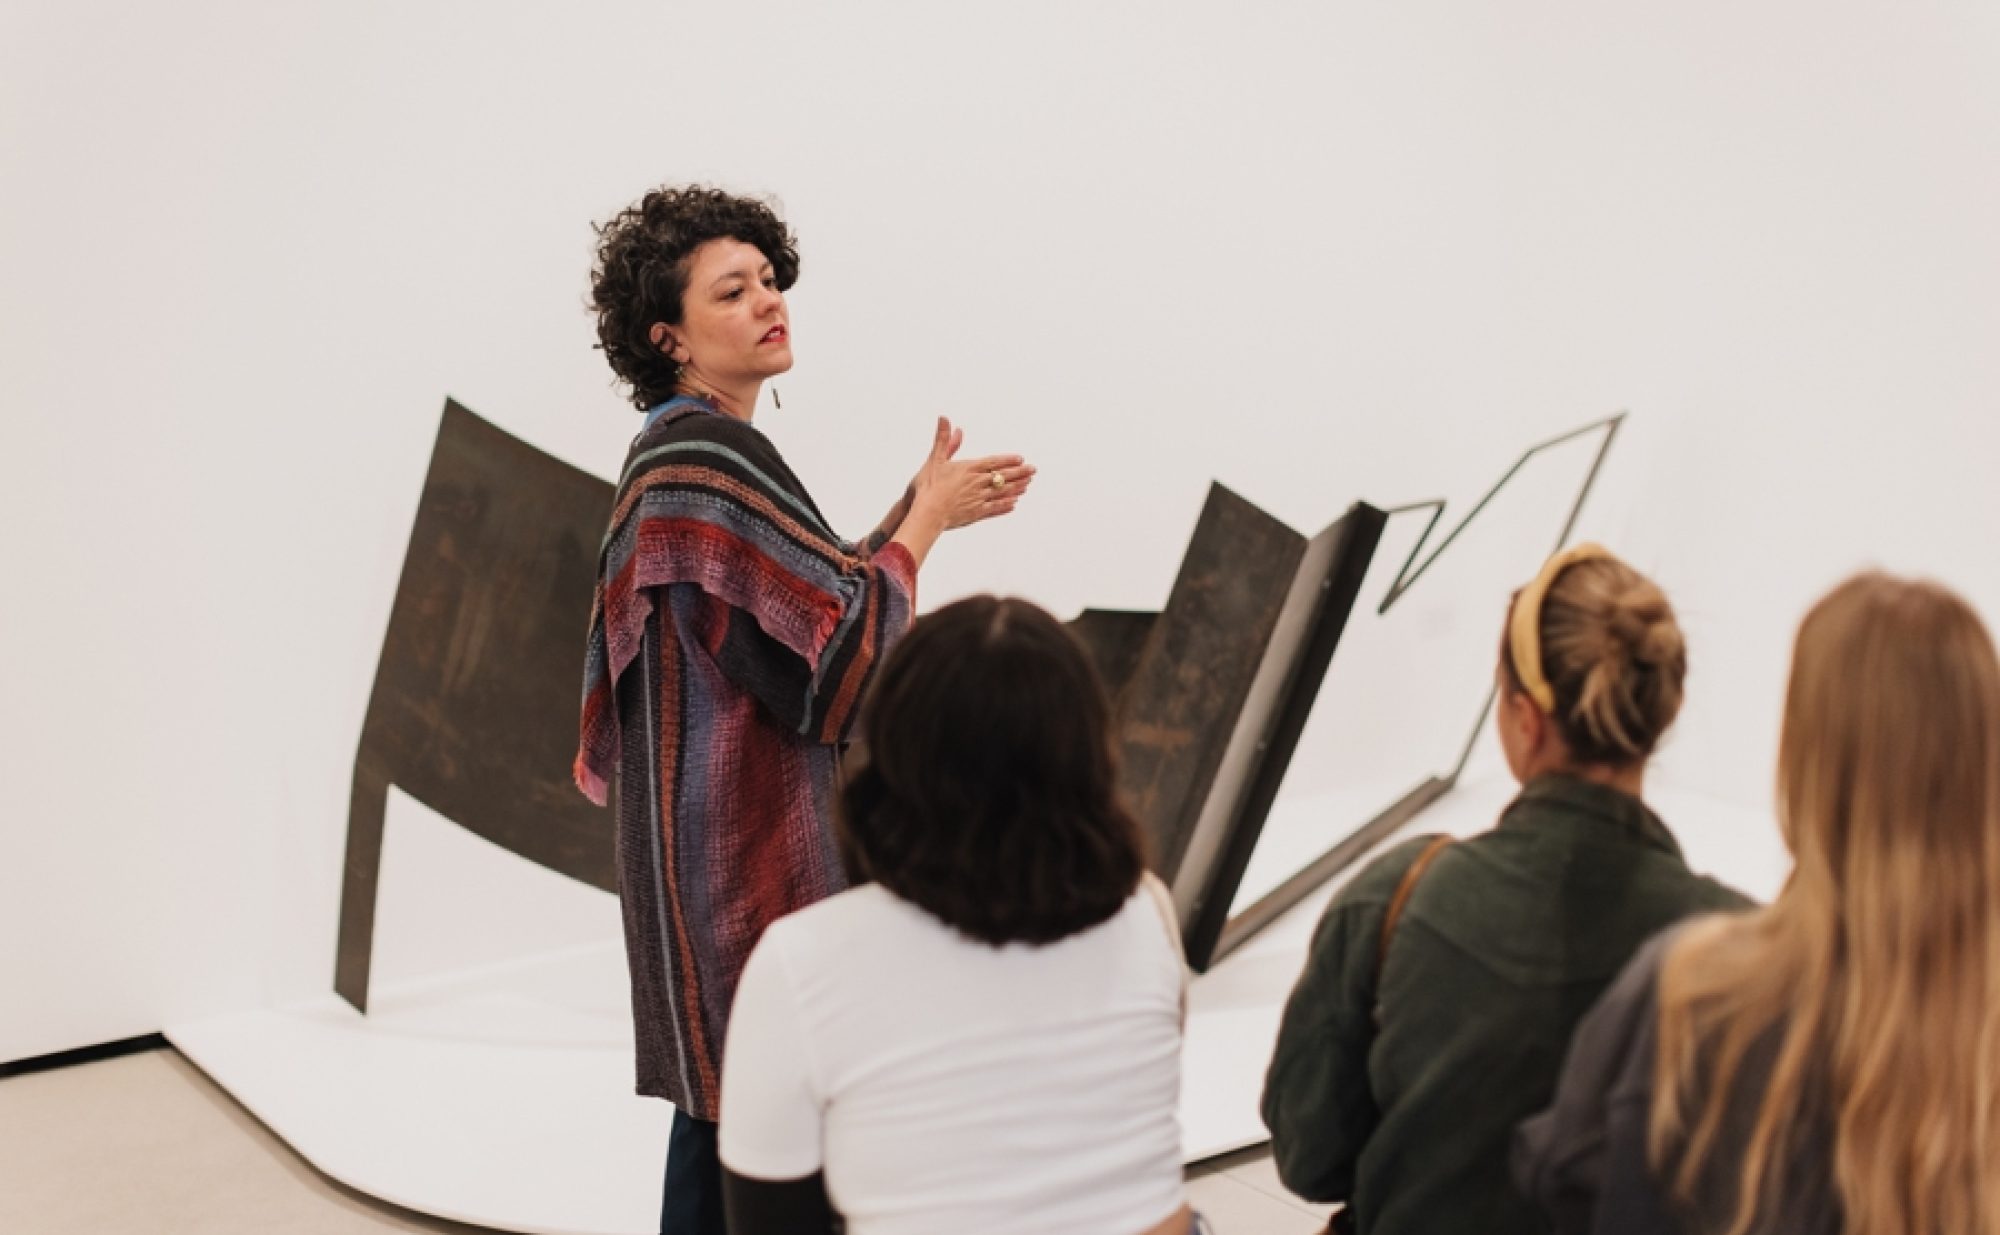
{"points": [[1875, 976]]}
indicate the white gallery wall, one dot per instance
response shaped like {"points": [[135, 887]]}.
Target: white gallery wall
{"points": [[1318, 252]]}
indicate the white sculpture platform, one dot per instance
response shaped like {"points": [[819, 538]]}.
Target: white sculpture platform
{"points": [[503, 1096]]}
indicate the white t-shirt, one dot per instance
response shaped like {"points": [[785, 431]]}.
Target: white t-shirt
{"points": [[944, 1085]]}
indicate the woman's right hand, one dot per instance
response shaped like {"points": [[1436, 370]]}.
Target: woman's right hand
{"points": [[952, 493]]}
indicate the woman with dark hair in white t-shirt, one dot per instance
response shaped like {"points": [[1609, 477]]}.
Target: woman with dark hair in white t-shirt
{"points": [[984, 1033]]}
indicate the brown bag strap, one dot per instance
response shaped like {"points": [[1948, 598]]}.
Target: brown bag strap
{"points": [[1401, 898]]}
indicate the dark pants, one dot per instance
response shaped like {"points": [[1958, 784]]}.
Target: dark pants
{"points": [[693, 1204]]}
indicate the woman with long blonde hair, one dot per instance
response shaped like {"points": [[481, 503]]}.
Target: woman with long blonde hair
{"points": [[1830, 1063]]}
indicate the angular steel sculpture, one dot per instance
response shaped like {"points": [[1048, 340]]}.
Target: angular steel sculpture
{"points": [[1353, 845], [1219, 688], [474, 707], [475, 701]]}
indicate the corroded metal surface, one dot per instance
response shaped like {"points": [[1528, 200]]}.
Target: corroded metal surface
{"points": [[1219, 686], [474, 708], [1189, 683], [1311, 619], [1114, 638]]}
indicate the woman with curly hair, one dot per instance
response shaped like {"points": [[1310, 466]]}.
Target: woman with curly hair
{"points": [[732, 636], [984, 1034]]}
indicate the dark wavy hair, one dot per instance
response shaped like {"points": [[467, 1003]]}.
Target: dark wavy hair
{"points": [[642, 272], [989, 792]]}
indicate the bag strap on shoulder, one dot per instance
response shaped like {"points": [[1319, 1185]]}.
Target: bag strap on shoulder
{"points": [[1402, 898]]}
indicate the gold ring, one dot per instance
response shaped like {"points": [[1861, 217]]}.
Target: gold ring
{"points": [[999, 481]]}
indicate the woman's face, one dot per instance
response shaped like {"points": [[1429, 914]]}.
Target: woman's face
{"points": [[734, 326]]}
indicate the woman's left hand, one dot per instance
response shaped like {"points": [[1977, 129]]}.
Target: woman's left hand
{"points": [[959, 492]]}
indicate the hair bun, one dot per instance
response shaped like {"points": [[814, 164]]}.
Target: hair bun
{"points": [[1641, 624], [1615, 657]]}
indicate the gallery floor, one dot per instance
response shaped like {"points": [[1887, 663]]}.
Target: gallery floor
{"points": [[147, 1143]]}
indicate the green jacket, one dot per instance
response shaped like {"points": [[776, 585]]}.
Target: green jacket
{"points": [[1506, 942]]}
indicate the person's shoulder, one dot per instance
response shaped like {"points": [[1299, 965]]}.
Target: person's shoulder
{"points": [[1363, 902], [840, 921], [1145, 923], [1641, 975], [1378, 881], [1633, 995], [1624, 1012], [703, 449], [1713, 894], [703, 426]]}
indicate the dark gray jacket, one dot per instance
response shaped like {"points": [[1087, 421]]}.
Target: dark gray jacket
{"points": [[1584, 1159], [1401, 1098]]}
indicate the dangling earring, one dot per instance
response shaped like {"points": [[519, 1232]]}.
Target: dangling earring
{"points": [[775, 401]]}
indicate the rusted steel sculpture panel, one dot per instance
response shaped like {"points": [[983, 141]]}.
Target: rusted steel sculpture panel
{"points": [[1218, 691], [474, 709]]}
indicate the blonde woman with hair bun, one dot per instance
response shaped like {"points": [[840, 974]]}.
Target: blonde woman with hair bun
{"points": [[1830, 1063], [1445, 980]]}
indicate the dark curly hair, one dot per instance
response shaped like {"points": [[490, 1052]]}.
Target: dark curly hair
{"points": [[642, 271], [989, 796]]}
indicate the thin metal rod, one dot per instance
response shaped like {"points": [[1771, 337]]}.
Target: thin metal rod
{"points": [[1351, 848], [1408, 579]]}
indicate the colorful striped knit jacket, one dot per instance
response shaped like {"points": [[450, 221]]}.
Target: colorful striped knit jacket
{"points": [[730, 642]]}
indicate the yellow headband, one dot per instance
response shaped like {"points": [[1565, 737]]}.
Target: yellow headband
{"points": [[1524, 628]]}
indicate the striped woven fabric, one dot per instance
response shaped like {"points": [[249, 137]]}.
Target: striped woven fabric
{"points": [[731, 640]]}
